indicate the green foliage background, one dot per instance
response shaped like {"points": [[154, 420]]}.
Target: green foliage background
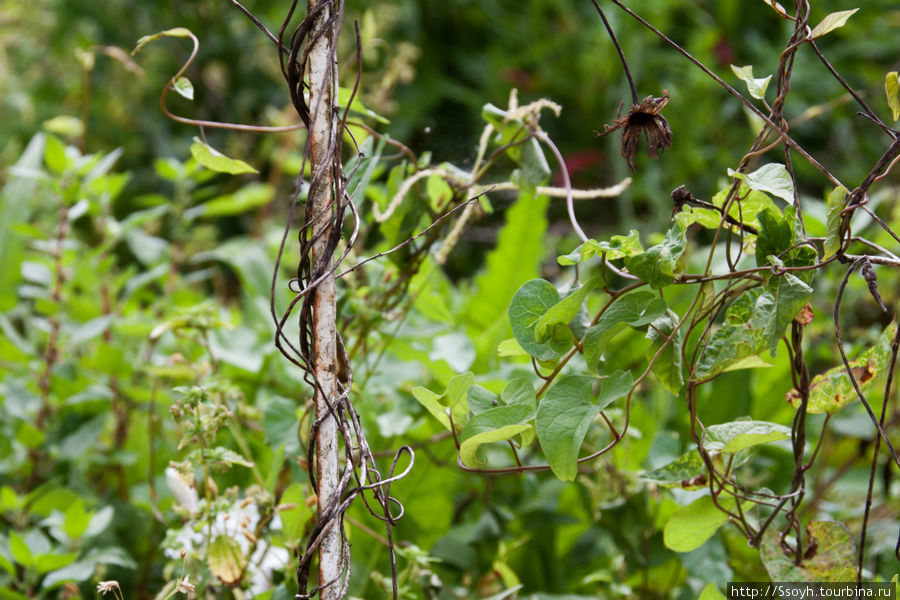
{"points": [[136, 329]]}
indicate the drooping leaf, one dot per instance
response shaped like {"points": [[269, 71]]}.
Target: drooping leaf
{"points": [[658, 265], [742, 335], [830, 555], [832, 390], [738, 435], [892, 90], [772, 178], [686, 471], [175, 32], [832, 22], [618, 246], [834, 204], [528, 305], [667, 366], [214, 160], [562, 421], [636, 309], [225, 559], [695, 523], [493, 425], [756, 86], [565, 310]]}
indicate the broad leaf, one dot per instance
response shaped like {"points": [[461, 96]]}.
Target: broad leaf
{"points": [[564, 310], [830, 555], [636, 309], [772, 178], [562, 421], [831, 391], [790, 295], [528, 305], [742, 335], [831, 22], [695, 523], [667, 366], [776, 237], [452, 402], [739, 435], [225, 559], [686, 471], [658, 265]]}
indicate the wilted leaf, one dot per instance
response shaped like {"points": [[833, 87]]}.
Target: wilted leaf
{"points": [[176, 32], [829, 557], [225, 560]]}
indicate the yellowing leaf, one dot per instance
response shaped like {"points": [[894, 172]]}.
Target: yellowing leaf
{"points": [[892, 89], [226, 561], [832, 22]]}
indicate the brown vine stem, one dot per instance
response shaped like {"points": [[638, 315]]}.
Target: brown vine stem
{"points": [[321, 201]]}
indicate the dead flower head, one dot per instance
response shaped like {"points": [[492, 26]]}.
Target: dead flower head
{"points": [[643, 118]]}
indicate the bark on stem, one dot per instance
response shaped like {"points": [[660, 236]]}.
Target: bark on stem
{"points": [[321, 202]]}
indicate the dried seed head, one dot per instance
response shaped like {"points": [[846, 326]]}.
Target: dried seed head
{"points": [[643, 118]]}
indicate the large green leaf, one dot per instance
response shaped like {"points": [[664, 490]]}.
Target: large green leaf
{"points": [[695, 523], [772, 178], [635, 309], [830, 555], [832, 390], [742, 335], [790, 295], [776, 237], [565, 413], [739, 435], [528, 305], [659, 265], [565, 310]]}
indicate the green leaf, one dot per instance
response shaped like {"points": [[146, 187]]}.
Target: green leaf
{"points": [[244, 200], [64, 125], [834, 204], [225, 560], [739, 435], [493, 425], [534, 170], [790, 295], [711, 592], [562, 421], [214, 160], [510, 347], [742, 335], [658, 265], [772, 178], [51, 562], [55, 155], [357, 106], [695, 523], [176, 32], [831, 391], [892, 90], [454, 398], [184, 87], [528, 305], [77, 520], [686, 471], [294, 511], [618, 246], [635, 309], [756, 87], [831, 556], [667, 367], [831, 22], [20, 551], [565, 310], [776, 237]]}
